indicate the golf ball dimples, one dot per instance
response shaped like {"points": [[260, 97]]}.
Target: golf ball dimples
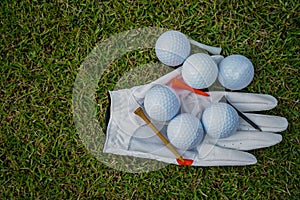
{"points": [[172, 48], [185, 131], [235, 72], [161, 103], [199, 71], [220, 120]]}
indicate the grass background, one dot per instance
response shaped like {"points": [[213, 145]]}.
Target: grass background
{"points": [[42, 47]]}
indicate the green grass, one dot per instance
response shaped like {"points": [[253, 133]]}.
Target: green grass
{"points": [[42, 48]]}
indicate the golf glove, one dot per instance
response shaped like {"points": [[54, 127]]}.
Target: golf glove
{"points": [[127, 134]]}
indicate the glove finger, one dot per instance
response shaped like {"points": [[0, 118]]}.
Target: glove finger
{"points": [[249, 140], [211, 155], [269, 123], [251, 102], [217, 58]]}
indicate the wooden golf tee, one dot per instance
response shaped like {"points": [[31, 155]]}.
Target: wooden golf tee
{"points": [[139, 111]]}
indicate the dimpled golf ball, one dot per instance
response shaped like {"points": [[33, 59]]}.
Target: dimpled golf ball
{"points": [[220, 120], [185, 131], [172, 48], [161, 103], [235, 72], [199, 71]]}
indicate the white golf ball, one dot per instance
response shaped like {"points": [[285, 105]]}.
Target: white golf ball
{"points": [[199, 71], [172, 48], [161, 103], [220, 120], [185, 131], [235, 72]]}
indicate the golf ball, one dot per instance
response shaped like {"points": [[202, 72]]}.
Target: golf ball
{"points": [[161, 103], [220, 120], [185, 131], [172, 48], [199, 71], [235, 72]]}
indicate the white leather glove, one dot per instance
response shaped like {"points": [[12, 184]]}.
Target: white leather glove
{"points": [[127, 134]]}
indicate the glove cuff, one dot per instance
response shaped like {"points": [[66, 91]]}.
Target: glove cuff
{"points": [[122, 121]]}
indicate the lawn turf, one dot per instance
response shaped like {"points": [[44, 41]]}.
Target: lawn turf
{"points": [[42, 48]]}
